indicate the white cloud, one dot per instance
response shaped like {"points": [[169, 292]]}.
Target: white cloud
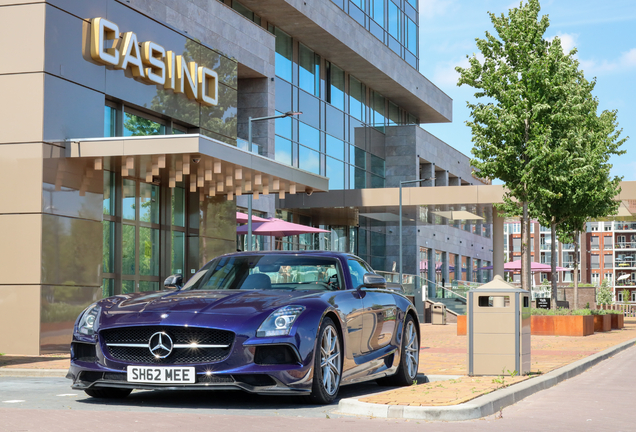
{"points": [[626, 62], [568, 41], [434, 8]]}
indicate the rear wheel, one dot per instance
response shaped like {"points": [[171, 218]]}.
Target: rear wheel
{"points": [[327, 364], [108, 392], [409, 358]]}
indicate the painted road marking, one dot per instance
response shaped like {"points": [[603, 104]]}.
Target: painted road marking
{"points": [[67, 394], [13, 401]]}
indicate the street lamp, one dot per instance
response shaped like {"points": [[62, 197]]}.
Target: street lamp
{"points": [[249, 147], [400, 227]]}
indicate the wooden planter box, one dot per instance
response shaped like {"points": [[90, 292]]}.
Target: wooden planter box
{"points": [[618, 321], [562, 325], [602, 323], [461, 325]]}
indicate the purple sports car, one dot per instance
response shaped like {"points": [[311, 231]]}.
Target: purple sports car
{"points": [[300, 323]]}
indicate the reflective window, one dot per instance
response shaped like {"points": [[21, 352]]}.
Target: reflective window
{"points": [[378, 111], [283, 126], [308, 160], [335, 147], [357, 98], [377, 10], [394, 114], [411, 36], [178, 206], [178, 252], [283, 151], [110, 121], [148, 251], [308, 136], [358, 157], [128, 250], [149, 203], [283, 55], [246, 12], [394, 20], [108, 246], [336, 87], [308, 70], [135, 125], [335, 172], [128, 207], [377, 166], [109, 193], [148, 286]]}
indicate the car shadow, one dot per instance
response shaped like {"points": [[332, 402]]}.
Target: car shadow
{"points": [[229, 400]]}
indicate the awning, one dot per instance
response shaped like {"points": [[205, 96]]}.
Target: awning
{"points": [[215, 168]]}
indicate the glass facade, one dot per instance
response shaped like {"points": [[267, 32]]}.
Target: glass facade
{"points": [[394, 22], [340, 133]]}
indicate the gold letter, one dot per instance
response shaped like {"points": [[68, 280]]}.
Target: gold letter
{"points": [[103, 30], [208, 86], [152, 55], [170, 63], [186, 78], [130, 55]]}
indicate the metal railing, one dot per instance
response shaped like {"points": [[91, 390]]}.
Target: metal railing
{"points": [[625, 245], [629, 310], [624, 226]]}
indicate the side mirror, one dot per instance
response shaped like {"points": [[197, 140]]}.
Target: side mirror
{"points": [[372, 280], [174, 281]]}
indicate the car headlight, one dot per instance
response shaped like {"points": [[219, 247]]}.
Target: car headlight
{"points": [[280, 322], [89, 321]]}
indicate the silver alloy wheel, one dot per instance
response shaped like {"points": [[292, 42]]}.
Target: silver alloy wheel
{"points": [[412, 350], [330, 360]]}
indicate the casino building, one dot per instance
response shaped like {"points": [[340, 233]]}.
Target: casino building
{"points": [[124, 150]]}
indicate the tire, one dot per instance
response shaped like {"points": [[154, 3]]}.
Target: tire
{"points": [[108, 392], [409, 357], [327, 364]]}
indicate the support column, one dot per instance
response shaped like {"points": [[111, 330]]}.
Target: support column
{"points": [[427, 170], [441, 178], [469, 269], [497, 243], [430, 274], [445, 267]]}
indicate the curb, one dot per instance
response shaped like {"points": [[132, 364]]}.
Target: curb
{"points": [[33, 373], [485, 405]]}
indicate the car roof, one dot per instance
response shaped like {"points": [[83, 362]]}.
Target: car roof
{"points": [[297, 253]]}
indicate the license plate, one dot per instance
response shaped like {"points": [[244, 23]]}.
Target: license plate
{"points": [[161, 374]]}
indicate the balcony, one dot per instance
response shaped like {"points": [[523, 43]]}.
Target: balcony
{"points": [[626, 245], [546, 246], [624, 226]]}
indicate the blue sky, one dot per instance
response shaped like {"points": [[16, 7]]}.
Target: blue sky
{"points": [[604, 32]]}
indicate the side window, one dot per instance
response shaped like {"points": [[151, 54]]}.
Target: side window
{"points": [[357, 271]]}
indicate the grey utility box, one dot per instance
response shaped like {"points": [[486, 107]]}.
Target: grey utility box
{"points": [[498, 322], [438, 313]]}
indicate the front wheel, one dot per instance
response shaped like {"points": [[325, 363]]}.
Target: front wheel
{"points": [[327, 364], [108, 392]]}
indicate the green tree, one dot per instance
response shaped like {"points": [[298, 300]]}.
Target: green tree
{"points": [[538, 129], [604, 293]]}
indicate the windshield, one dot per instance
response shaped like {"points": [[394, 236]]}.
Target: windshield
{"points": [[279, 272]]}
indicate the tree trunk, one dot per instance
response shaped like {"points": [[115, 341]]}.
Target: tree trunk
{"points": [[553, 263], [576, 270], [525, 249]]}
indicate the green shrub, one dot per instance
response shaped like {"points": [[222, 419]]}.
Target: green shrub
{"points": [[561, 311]]}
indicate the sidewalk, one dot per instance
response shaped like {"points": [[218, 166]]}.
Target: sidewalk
{"points": [[444, 353]]}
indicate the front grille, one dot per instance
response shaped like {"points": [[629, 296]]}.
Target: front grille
{"points": [[179, 335]]}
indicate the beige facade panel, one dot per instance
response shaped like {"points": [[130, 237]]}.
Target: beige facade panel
{"points": [[20, 257], [24, 114], [71, 251], [21, 178], [19, 317], [218, 219], [22, 36], [71, 187]]}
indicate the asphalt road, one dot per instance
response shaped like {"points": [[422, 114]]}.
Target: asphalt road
{"points": [[600, 399]]}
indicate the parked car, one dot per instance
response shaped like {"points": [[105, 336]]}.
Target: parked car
{"points": [[302, 323]]}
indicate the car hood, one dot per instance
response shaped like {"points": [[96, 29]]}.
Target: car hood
{"points": [[234, 302]]}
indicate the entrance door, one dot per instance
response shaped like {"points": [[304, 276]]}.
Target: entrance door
{"points": [[145, 234]]}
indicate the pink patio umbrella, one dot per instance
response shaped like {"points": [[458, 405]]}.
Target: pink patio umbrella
{"points": [[534, 267], [243, 218], [279, 228]]}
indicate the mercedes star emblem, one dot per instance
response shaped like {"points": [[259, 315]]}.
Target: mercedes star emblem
{"points": [[160, 345]]}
